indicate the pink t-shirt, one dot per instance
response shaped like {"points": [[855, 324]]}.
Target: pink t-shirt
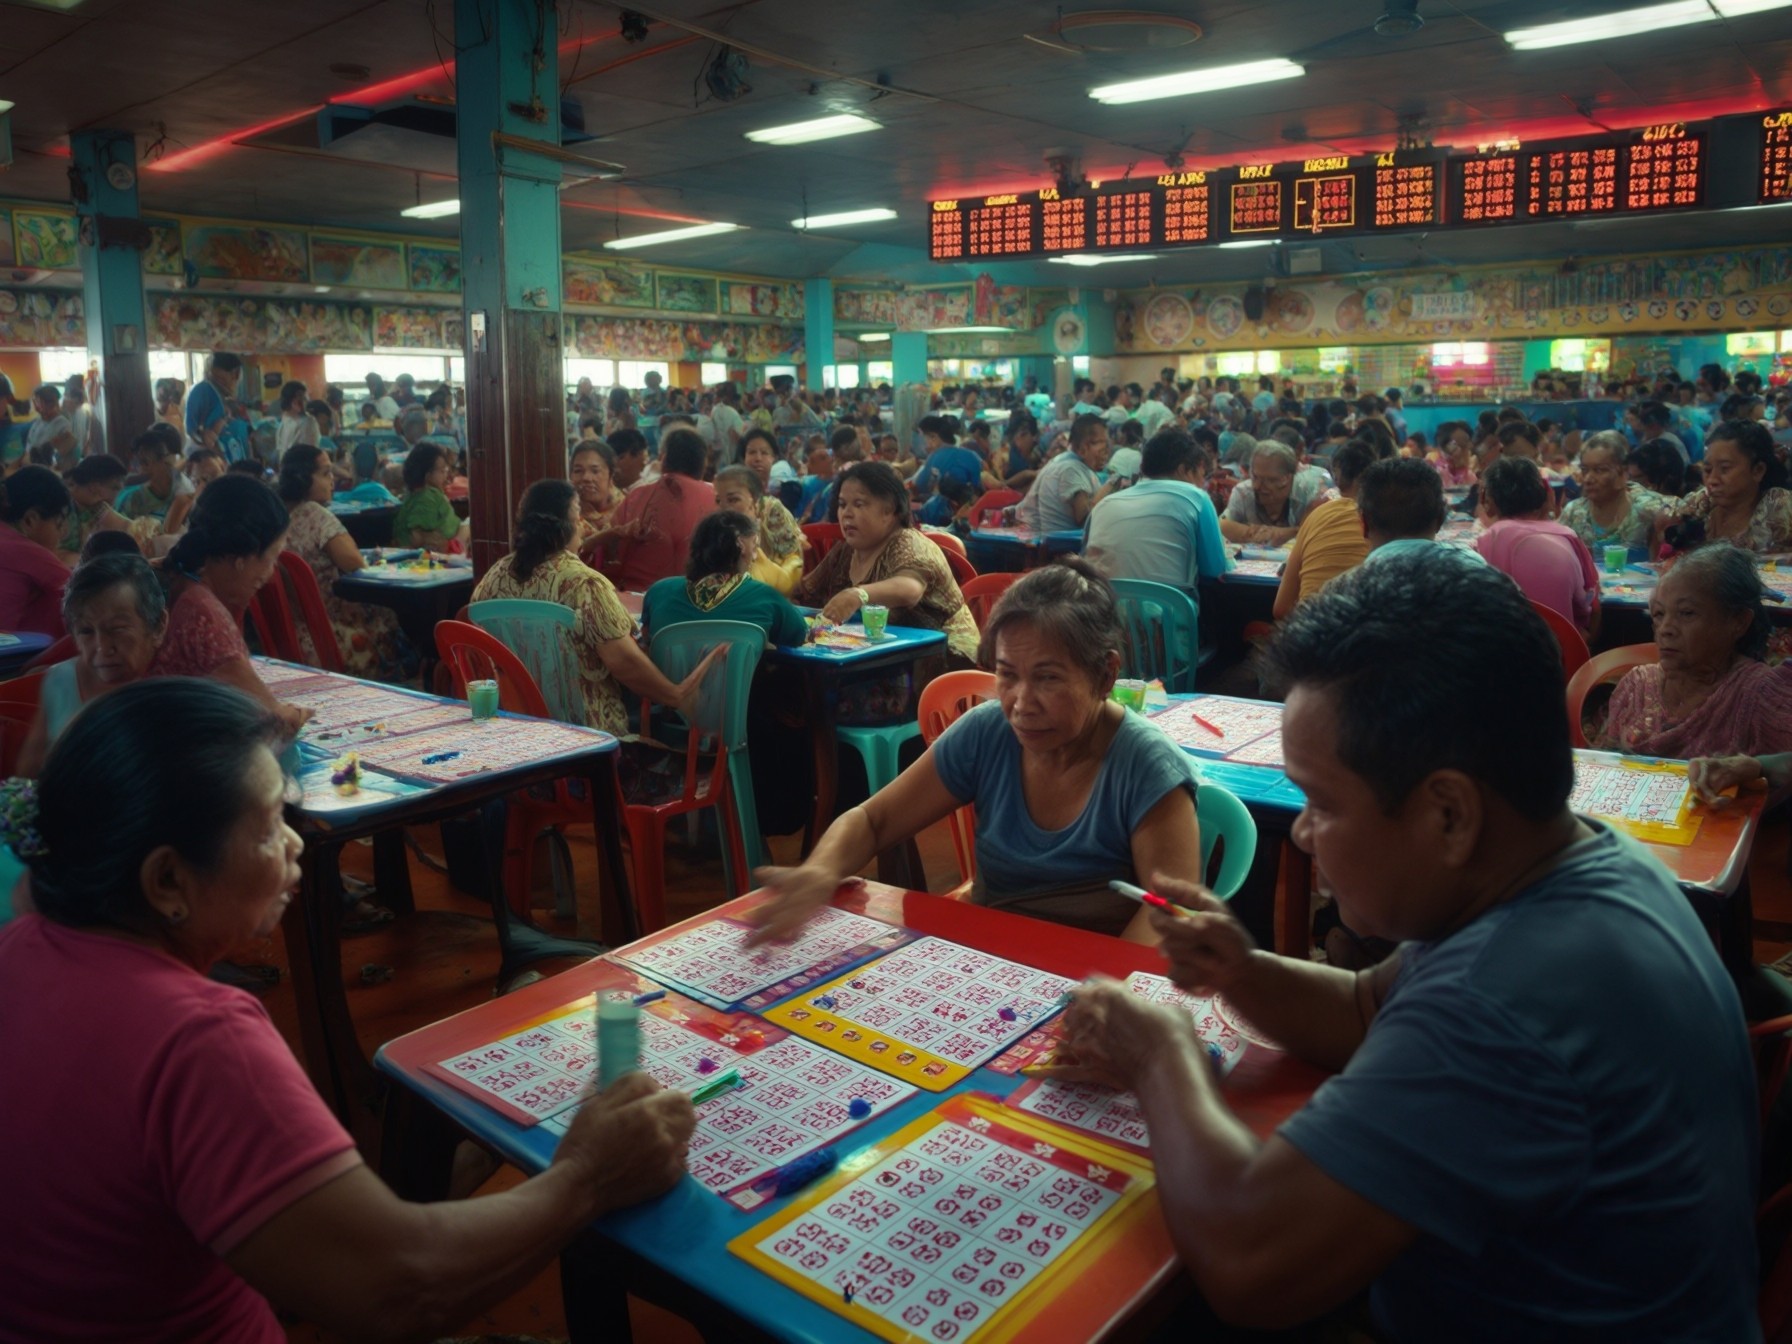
{"points": [[1548, 562], [669, 519], [201, 636], [155, 1119], [31, 584]]}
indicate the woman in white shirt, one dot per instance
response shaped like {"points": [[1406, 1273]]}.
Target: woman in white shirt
{"points": [[297, 425]]}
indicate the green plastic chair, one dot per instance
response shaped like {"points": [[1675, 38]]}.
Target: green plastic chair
{"points": [[721, 709], [1162, 638], [539, 633], [1223, 817], [880, 747]]}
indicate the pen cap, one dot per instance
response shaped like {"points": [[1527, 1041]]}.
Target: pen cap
{"points": [[618, 1040]]}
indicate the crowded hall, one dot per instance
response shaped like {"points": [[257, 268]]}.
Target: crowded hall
{"points": [[814, 673]]}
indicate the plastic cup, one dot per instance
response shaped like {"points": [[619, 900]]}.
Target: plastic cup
{"points": [[877, 620], [1130, 693], [482, 699], [1615, 557]]}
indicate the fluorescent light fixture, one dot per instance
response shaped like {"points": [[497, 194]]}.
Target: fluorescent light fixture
{"points": [[1251, 242], [870, 216], [1629, 22], [1098, 259], [874, 335], [941, 331], [322, 289], [432, 210], [1205, 81], [671, 235], [821, 128]]}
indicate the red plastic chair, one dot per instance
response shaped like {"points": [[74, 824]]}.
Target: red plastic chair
{"points": [[984, 591], [18, 708], [1574, 645], [963, 571], [942, 700], [301, 587], [270, 615], [823, 537], [945, 541], [61, 651], [987, 511], [1772, 1044], [1596, 671]]}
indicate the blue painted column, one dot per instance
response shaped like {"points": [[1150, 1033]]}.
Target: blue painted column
{"points": [[818, 331], [111, 233], [908, 356], [507, 85]]}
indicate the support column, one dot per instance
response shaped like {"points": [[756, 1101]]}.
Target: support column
{"points": [[908, 356], [110, 231], [818, 331], [507, 87]]}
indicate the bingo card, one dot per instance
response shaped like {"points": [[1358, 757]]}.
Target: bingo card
{"points": [[1250, 731], [929, 1012], [955, 1228], [1650, 801], [711, 962], [454, 751]]}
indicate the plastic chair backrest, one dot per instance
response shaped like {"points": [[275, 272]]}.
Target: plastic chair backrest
{"points": [[1600, 668], [942, 700], [59, 652], [963, 571], [944, 540], [1574, 645], [987, 511], [823, 537], [1223, 816], [720, 711], [470, 654], [983, 592], [540, 634], [302, 586], [18, 708], [270, 614], [1161, 633]]}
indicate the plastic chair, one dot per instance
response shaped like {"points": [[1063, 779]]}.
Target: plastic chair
{"points": [[944, 540], [540, 634], [1608, 666], [987, 511], [61, 651], [18, 708], [983, 592], [823, 537], [963, 571], [942, 701], [1771, 1042], [715, 730], [880, 748], [1162, 633], [1574, 645], [302, 588], [269, 614], [1224, 818]]}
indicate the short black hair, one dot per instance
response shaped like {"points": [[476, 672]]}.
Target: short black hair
{"points": [[162, 439], [758, 434], [1351, 461], [1514, 487], [234, 516], [627, 442], [1661, 466], [1083, 428], [298, 467], [1755, 443], [100, 467], [1387, 643], [225, 362], [543, 526], [880, 481], [715, 545], [420, 461], [1400, 498], [846, 436], [292, 391], [1520, 429], [1169, 450], [683, 453], [1654, 414], [106, 543], [33, 488]]}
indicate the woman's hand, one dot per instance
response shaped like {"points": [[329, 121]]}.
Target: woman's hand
{"points": [[797, 893], [841, 606], [1111, 1035], [1711, 775], [629, 1141], [692, 686], [1207, 948], [294, 717]]}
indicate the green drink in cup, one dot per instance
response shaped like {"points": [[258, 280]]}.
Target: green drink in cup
{"points": [[1130, 693], [877, 621], [1615, 556], [482, 699]]}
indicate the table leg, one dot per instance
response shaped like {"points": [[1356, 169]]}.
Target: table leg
{"points": [[392, 872], [417, 1143], [1294, 905], [827, 749], [594, 1292], [617, 905]]}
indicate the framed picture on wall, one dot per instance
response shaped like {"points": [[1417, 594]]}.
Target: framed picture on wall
{"points": [[684, 293]]}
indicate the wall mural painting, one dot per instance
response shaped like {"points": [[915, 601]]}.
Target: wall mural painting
{"points": [[243, 252], [919, 309], [741, 298], [611, 284], [684, 293], [274, 326], [40, 317], [433, 270], [408, 328], [1703, 291], [8, 253], [45, 240], [873, 306], [163, 256], [663, 339], [996, 305], [360, 263]]}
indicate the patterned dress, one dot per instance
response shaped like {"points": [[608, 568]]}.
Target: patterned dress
{"points": [[371, 643], [1769, 530], [564, 579], [1633, 528], [201, 636], [908, 552], [780, 559]]}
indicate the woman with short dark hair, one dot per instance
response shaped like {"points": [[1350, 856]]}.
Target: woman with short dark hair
{"points": [[718, 584], [1548, 561], [664, 513], [1744, 499], [426, 518], [34, 509]]}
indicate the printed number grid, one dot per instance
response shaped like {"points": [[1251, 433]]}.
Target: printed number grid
{"points": [[713, 959]]}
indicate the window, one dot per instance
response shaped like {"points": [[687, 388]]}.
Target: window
{"points": [[601, 372], [844, 375], [351, 370], [1079, 365], [710, 374], [633, 372], [1334, 359], [168, 364], [1742, 343], [457, 370], [1269, 361], [60, 363], [883, 371], [1236, 363], [772, 371], [1578, 355], [1456, 354]]}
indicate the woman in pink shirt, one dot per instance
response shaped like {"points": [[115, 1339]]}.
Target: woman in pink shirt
{"points": [[183, 1175], [34, 507], [665, 514], [1548, 561]]}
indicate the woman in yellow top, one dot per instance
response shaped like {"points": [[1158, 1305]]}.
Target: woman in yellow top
{"points": [[1330, 540], [779, 561], [542, 567]]}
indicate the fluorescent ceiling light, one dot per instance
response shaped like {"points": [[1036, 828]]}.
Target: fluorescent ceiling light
{"points": [[870, 216], [432, 210], [874, 335], [671, 235], [940, 331], [1204, 81], [822, 128], [1252, 242], [1097, 259], [1629, 22]]}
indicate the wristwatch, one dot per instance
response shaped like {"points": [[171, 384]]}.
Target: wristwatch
{"points": [[863, 596]]}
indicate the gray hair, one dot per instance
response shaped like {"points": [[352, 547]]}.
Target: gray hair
{"points": [[412, 416], [105, 572], [1070, 601], [1279, 453], [1607, 440], [1241, 449], [1727, 575]]}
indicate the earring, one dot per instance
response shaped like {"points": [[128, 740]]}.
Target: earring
{"points": [[177, 916]]}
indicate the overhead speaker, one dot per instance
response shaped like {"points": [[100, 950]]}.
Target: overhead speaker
{"points": [[1253, 303]]}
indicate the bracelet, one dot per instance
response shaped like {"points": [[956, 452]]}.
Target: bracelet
{"points": [[863, 596]]}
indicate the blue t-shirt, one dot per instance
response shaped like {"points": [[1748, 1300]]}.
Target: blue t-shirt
{"points": [[951, 460], [368, 492], [938, 511], [1560, 1098], [1058, 875], [205, 406], [1160, 530]]}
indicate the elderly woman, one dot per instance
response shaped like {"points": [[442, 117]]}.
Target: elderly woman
{"points": [[592, 471], [778, 558], [664, 513], [1454, 456], [186, 1181], [542, 566], [1270, 507], [1071, 790], [1546, 560], [719, 583], [1744, 499], [34, 509], [1710, 694], [368, 636], [117, 614], [1612, 509], [883, 561], [426, 518]]}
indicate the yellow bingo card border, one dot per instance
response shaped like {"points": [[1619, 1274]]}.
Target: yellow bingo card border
{"points": [[962, 1226], [1647, 800]]}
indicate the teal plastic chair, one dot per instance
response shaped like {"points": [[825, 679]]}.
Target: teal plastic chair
{"points": [[1223, 817], [539, 633], [880, 747], [1162, 639], [721, 709]]}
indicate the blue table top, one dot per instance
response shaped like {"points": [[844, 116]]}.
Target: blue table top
{"points": [[907, 638], [23, 643], [1071, 538], [1254, 785]]}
